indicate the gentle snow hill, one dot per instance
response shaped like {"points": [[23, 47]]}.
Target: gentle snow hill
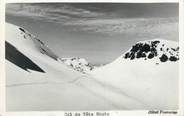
{"points": [[148, 72]]}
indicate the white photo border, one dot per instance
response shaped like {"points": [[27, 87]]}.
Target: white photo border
{"points": [[112, 113]]}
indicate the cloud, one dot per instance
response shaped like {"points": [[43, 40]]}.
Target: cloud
{"points": [[53, 13], [97, 18], [134, 26]]}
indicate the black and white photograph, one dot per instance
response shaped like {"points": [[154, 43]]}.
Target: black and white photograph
{"points": [[91, 56]]}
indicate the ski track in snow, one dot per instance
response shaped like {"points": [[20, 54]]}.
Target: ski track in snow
{"points": [[112, 90], [103, 86], [40, 83]]}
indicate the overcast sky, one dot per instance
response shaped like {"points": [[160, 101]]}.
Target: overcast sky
{"points": [[99, 32]]}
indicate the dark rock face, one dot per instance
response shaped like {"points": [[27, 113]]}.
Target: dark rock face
{"points": [[140, 50], [163, 58], [149, 50], [19, 59], [22, 30], [127, 55], [132, 56], [140, 54], [173, 58], [151, 55]]}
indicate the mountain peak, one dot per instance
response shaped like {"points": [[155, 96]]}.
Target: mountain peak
{"points": [[78, 64], [163, 50]]}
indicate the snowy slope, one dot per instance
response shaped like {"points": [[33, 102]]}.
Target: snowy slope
{"points": [[30, 42], [152, 80], [49, 87], [36, 80], [23, 39]]}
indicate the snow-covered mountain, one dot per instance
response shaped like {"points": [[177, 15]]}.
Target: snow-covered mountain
{"points": [[37, 79], [148, 72], [78, 64]]}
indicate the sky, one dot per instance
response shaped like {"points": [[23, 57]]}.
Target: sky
{"points": [[98, 32]]}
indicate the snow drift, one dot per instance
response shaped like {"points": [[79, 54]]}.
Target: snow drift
{"points": [[37, 79]]}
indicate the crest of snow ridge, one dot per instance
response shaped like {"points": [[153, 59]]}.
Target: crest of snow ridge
{"points": [[161, 49], [38, 43]]}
